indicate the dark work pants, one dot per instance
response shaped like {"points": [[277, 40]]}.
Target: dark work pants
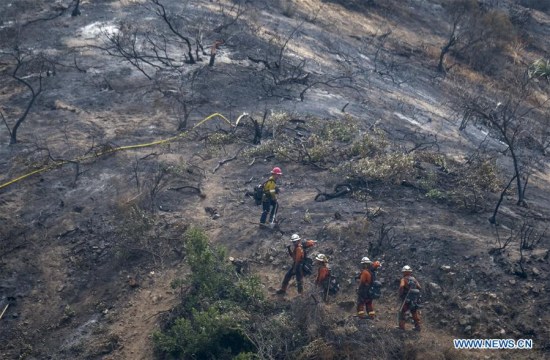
{"points": [[415, 315], [299, 278], [266, 207]]}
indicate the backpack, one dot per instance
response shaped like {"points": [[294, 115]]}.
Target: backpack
{"points": [[307, 266], [258, 193], [307, 263], [333, 285], [375, 289], [413, 295]]}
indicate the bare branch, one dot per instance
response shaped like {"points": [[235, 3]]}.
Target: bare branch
{"points": [[161, 11], [5, 122], [26, 61], [222, 162]]}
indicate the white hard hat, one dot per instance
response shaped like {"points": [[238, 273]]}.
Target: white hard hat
{"points": [[406, 268], [321, 257], [295, 237], [365, 260]]}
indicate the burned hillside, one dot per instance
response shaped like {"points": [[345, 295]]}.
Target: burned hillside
{"points": [[134, 132]]}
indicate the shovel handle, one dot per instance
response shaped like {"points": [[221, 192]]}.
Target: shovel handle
{"points": [[3, 311]]}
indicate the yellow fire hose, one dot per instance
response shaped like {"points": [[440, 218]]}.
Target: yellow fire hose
{"points": [[120, 148]]}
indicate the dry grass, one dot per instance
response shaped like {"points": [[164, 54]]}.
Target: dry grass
{"points": [[470, 75]]}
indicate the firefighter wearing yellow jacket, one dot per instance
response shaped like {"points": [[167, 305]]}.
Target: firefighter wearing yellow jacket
{"points": [[269, 198]]}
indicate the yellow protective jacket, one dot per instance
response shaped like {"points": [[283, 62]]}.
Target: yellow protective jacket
{"points": [[270, 190]]}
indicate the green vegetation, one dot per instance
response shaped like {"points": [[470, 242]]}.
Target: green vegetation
{"points": [[392, 167], [474, 181], [540, 69], [214, 311], [342, 130], [366, 156], [369, 144], [133, 226], [435, 194]]}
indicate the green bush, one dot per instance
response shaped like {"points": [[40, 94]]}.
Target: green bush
{"points": [[474, 182], [483, 174], [219, 139], [133, 233], [435, 194], [277, 122], [435, 158], [428, 181], [540, 68], [211, 333], [370, 144], [342, 130], [324, 145], [266, 148], [392, 167], [208, 266], [213, 312], [319, 150], [249, 292]]}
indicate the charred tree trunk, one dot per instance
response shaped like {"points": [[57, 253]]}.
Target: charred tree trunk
{"points": [[445, 49], [34, 96], [76, 10], [521, 189], [493, 219], [13, 137]]}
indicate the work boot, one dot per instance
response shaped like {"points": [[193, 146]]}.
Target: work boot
{"points": [[417, 328], [280, 292], [402, 324], [371, 315], [361, 315]]}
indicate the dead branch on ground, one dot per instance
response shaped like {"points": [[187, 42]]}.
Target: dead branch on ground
{"points": [[222, 162]]}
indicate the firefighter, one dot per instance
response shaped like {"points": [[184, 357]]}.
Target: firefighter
{"points": [[364, 299], [409, 294], [296, 252], [269, 198], [323, 275]]}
